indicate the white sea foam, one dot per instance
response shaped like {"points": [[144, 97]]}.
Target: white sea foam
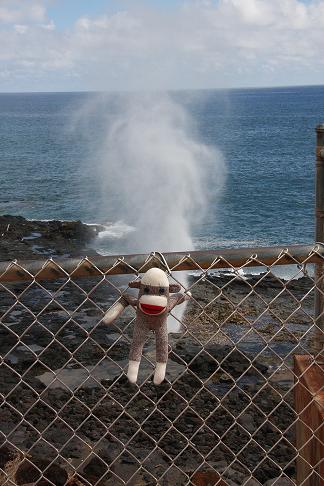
{"points": [[282, 272], [210, 242], [115, 231], [46, 220], [32, 236]]}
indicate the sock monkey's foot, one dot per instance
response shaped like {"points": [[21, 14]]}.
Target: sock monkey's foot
{"points": [[133, 371], [159, 374]]}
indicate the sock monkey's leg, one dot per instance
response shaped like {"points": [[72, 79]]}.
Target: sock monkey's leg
{"points": [[161, 336], [139, 337]]}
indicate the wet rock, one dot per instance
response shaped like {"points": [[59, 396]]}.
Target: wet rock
{"points": [[247, 421], [98, 467], [280, 481], [22, 239], [251, 482], [220, 465], [77, 481]]}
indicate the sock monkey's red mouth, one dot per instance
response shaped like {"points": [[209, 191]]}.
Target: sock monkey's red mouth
{"points": [[151, 309]]}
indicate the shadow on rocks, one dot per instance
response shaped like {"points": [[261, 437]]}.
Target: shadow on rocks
{"points": [[40, 471]]}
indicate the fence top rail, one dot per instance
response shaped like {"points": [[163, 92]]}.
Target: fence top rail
{"points": [[51, 269]]}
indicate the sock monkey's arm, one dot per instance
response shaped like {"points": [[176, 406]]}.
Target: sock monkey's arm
{"points": [[177, 299], [131, 300], [119, 306], [114, 311]]}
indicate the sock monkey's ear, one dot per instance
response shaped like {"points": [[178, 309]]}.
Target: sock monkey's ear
{"points": [[174, 288], [134, 284]]}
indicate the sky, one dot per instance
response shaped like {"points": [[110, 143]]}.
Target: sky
{"points": [[106, 45]]}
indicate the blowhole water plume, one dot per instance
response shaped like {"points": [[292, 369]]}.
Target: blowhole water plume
{"points": [[155, 174]]}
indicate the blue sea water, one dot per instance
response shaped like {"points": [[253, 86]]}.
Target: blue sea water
{"points": [[266, 136]]}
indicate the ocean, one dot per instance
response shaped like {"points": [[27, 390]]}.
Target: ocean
{"points": [[265, 139]]}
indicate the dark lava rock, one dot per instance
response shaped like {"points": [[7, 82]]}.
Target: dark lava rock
{"points": [[21, 239], [215, 357], [97, 467]]}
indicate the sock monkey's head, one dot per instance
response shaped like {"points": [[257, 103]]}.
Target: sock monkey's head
{"points": [[154, 290]]}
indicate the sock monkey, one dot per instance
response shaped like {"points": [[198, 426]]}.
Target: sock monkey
{"points": [[156, 298]]}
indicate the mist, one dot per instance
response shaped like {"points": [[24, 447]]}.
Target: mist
{"points": [[156, 177]]}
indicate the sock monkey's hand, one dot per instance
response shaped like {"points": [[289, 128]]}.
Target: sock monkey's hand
{"points": [[114, 311]]}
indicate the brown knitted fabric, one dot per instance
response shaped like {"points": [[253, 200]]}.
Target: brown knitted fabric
{"points": [[143, 325], [140, 336], [161, 336], [146, 323], [129, 300], [176, 299]]}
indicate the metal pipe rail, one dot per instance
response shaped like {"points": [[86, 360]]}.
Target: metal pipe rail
{"points": [[136, 263]]}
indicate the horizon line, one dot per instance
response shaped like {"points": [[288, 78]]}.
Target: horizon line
{"points": [[114, 91]]}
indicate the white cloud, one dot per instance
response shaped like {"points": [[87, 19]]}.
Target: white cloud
{"points": [[18, 11], [20, 29], [200, 44], [49, 26]]}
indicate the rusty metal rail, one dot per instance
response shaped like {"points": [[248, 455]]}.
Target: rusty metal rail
{"points": [[177, 261]]}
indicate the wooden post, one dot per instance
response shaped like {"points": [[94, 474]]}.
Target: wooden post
{"points": [[309, 406]]}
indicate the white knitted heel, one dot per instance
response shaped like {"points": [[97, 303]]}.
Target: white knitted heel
{"points": [[159, 374], [133, 371]]}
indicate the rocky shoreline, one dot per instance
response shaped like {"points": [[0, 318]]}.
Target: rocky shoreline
{"points": [[228, 389], [23, 239]]}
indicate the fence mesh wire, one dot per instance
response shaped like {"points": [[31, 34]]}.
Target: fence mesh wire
{"points": [[226, 413]]}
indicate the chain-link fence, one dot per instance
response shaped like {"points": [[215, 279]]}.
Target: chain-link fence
{"points": [[234, 409]]}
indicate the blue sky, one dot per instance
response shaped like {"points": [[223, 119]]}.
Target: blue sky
{"points": [[73, 45], [65, 12]]}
